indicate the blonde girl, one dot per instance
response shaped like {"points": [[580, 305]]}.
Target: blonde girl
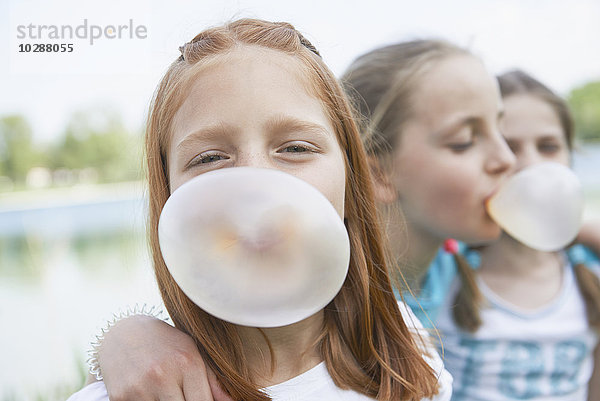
{"points": [[432, 115], [533, 324]]}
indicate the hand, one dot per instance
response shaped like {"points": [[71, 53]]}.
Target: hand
{"points": [[145, 359]]}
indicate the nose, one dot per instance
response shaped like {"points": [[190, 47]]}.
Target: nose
{"points": [[500, 158], [255, 158], [527, 157]]}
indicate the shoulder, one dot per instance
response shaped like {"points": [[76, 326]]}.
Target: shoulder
{"points": [[92, 392], [434, 288]]}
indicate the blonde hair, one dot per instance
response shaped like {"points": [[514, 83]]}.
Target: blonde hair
{"points": [[382, 84], [517, 82], [364, 342]]}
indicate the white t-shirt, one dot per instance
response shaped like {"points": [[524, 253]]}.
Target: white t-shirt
{"points": [[315, 384], [546, 354]]}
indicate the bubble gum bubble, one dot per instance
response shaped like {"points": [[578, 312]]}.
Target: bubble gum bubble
{"points": [[540, 206], [255, 247]]}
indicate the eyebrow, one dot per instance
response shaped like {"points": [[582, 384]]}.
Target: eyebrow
{"points": [[277, 125], [282, 123], [463, 121], [451, 128], [205, 134], [551, 136]]}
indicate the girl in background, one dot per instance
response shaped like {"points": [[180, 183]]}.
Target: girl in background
{"points": [[254, 93], [532, 326], [432, 113]]}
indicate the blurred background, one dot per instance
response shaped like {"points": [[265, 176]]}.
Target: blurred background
{"points": [[72, 246]]}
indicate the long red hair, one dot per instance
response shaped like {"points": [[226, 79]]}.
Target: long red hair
{"points": [[364, 342]]}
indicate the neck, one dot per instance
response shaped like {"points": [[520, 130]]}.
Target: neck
{"points": [[413, 249], [525, 277], [508, 256], [293, 350]]}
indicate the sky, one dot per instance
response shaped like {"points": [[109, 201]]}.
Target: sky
{"points": [[554, 40]]}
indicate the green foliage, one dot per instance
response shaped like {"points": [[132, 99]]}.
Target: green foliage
{"points": [[99, 140], [94, 142], [17, 152], [585, 105]]}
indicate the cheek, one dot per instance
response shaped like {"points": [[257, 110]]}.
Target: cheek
{"points": [[330, 179], [564, 158], [446, 198], [451, 197], [334, 190], [459, 210], [176, 180], [438, 182]]}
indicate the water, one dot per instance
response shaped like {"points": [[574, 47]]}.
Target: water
{"points": [[586, 164], [71, 258], [68, 260]]}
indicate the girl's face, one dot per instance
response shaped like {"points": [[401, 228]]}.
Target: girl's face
{"points": [[251, 107], [533, 131], [450, 157]]}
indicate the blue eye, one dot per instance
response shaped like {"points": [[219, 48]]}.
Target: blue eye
{"points": [[207, 158], [296, 149], [211, 158]]}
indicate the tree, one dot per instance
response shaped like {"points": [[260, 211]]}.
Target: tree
{"points": [[98, 139], [585, 105], [17, 151]]}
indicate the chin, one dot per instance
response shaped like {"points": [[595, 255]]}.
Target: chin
{"points": [[489, 235], [482, 235]]}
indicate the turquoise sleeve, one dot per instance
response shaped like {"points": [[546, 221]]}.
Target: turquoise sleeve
{"points": [[427, 303], [580, 254]]}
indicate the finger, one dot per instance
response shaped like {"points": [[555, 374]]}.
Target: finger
{"points": [[215, 387], [170, 393], [196, 386]]}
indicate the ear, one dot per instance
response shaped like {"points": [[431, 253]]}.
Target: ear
{"points": [[384, 190]]}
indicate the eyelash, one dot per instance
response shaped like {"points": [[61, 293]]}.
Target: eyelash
{"points": [[548, 147], [206, 158], [297, 147], [200, 159], [461, 147]]}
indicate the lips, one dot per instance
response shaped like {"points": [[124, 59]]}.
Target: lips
{"points": [[494, 191], [486, 200]]}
